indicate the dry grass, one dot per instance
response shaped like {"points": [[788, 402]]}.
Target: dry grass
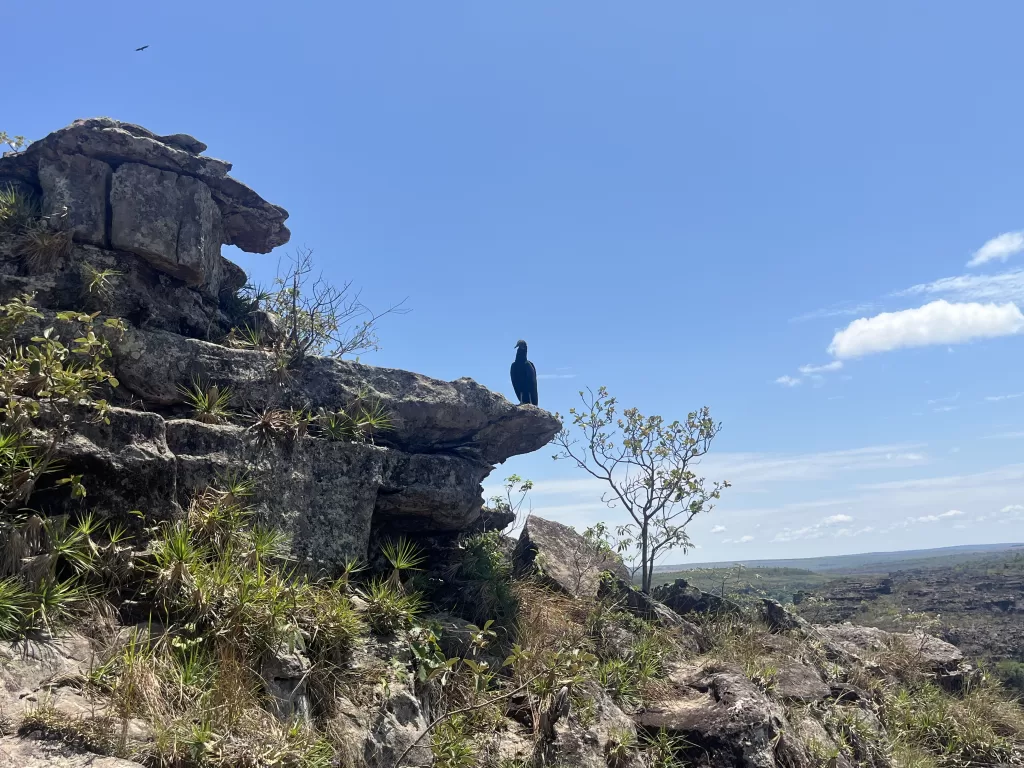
{"points": [[549, 619], [982, 727], [95, 734], [42, 247]]}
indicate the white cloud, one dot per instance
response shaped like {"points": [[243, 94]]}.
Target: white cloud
{"points": [[808, 369], [1009, 473], [749, 470], [836, 519], [926, 519], [745, 539], [936, 323], [1005, 436], [807, 532], [835, 311], [946, 408], [999, 398], [556, 375], [999, 248], [787, 381], [1002, 287], [1012, 509], [718, 529], [815, 531], [950, 399]]}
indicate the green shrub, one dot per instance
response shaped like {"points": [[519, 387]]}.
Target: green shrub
{"points": [[388, 608], [450, 744], [17, 210], [1011, 673], [481, 580]]}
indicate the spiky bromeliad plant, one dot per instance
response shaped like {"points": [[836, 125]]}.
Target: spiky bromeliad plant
{"points": [[210, 404]]}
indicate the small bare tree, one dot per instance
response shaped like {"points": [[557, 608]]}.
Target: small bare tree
{"points": [[514, 499], [647, 464], [319, 318]]}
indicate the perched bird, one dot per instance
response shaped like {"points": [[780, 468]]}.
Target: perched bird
{"points": [[524, 376], [142, 48]]}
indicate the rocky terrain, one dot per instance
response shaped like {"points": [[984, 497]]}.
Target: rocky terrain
{"points": [[975, 604], [217, 551]]}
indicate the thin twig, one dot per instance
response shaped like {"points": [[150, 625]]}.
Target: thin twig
{"points": [[445, 716]]}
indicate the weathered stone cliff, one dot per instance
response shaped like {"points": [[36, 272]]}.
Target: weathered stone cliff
{"points": [[147, 620], [149, 213]]}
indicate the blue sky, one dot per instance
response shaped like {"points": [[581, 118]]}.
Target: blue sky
{"points": [[684, 202]]}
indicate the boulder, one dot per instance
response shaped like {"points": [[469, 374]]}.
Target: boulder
{"points": [[941, 660], [38, 664], [378, 735], [492, 520], [588, 746], [284, 674], [26, 752], [684, 598], [249, 221], [563, 558], [631, 599], [719, 713], [75, 189], [779, 619], [169, 220], [796, 682]]}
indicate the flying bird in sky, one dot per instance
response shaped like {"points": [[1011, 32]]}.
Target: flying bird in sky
{"points": [[142, 48], [524, 376]]}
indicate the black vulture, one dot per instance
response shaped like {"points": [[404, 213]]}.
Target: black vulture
{"points": [[142, 48], [524, 376]]}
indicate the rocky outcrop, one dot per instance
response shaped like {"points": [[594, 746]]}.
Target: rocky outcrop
{"points": [[249, 222], [48, 674], [564, 558], [627, 597], [941, 660], [27, 752], [840, 600], [684, 598], [151, 213], [147, 215], [720, 713]]}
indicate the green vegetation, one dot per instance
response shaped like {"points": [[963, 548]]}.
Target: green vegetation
{"points": [[646, 464], [740, 584], [868, 563], [214, 598], [14, 142], [39, 240], [209, 403], [17, 210]]}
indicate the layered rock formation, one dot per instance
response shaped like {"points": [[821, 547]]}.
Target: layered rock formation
{"points": [[150, 213]]}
